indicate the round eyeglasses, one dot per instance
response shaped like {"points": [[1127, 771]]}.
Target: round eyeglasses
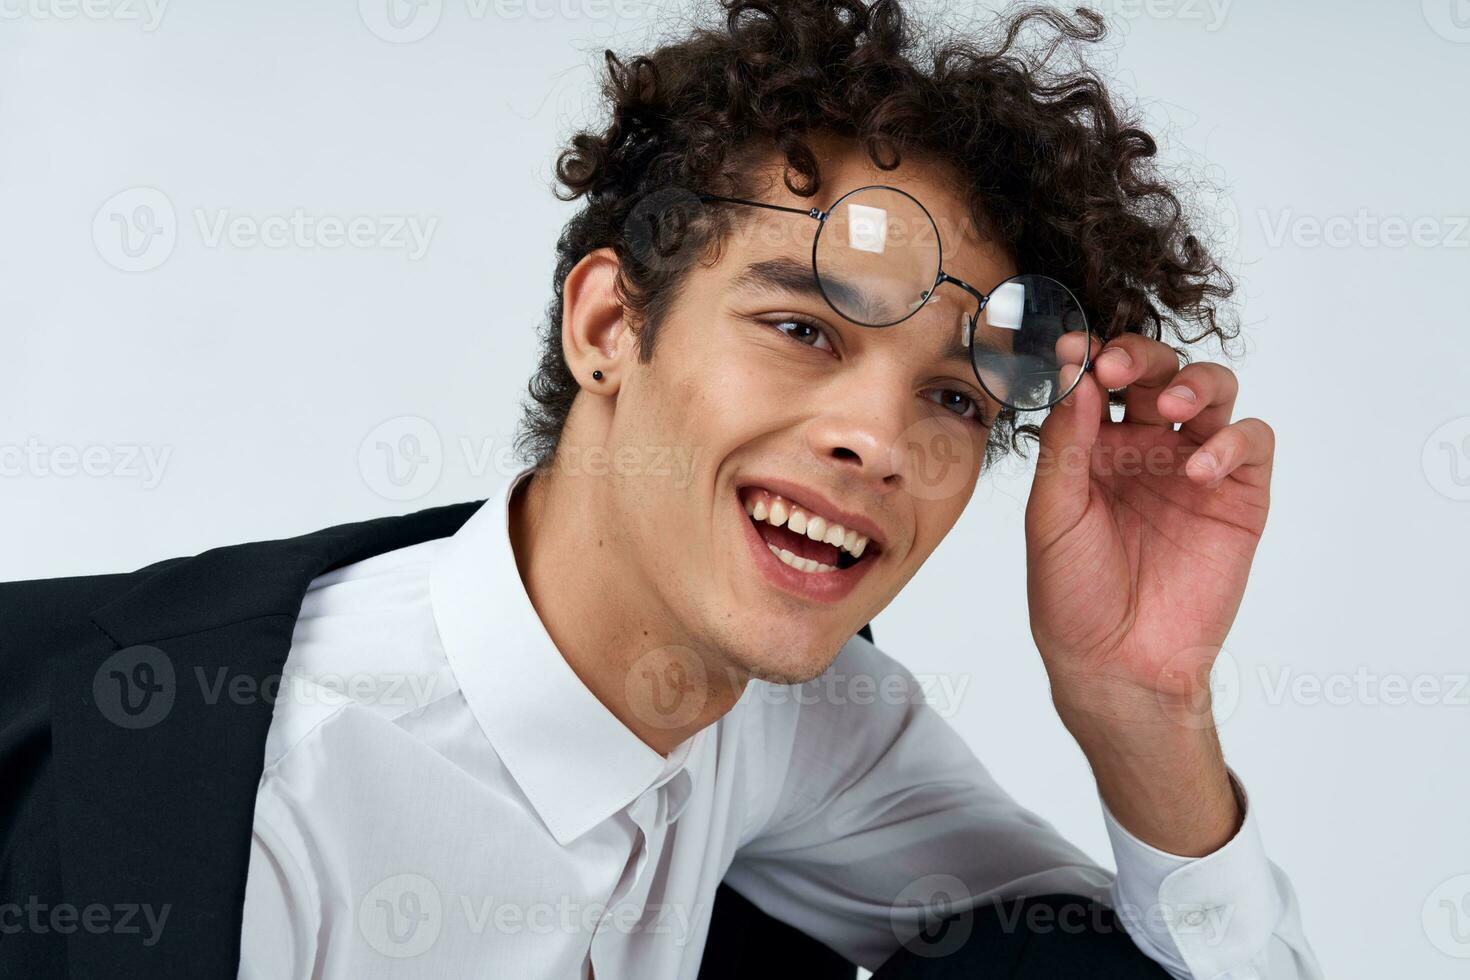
{"points": [[878, 260]]}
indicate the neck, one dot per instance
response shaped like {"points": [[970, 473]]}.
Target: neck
{"points": [[607, 618]]}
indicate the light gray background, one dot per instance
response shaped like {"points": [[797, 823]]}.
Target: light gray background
{"points": [[261, 378]]}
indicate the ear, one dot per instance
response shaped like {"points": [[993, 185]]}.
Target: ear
{"points": [[594, 328]]}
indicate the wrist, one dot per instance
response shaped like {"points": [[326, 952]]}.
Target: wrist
{"points": [[1114, 705], [1157, 761]]}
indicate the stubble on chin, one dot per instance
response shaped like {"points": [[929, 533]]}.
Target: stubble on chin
{"points": [[786, 668]]}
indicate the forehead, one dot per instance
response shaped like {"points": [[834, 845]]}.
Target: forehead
{"points": [[968, 253]]}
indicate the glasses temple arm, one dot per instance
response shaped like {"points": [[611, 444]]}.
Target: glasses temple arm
{"points": [[809, 212]]}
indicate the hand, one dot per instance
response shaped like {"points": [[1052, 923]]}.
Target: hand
{"points": [[1140, 536]]}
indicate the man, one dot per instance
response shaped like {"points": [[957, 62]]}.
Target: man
{"points": [[531, 738]]}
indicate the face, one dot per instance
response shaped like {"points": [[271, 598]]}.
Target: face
{"points": [[826, 459]]}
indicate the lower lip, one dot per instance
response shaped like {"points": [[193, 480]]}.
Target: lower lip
{"points": [[816, 586]]}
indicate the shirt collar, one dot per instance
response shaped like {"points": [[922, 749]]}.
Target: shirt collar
{"points": [[574, 760]]}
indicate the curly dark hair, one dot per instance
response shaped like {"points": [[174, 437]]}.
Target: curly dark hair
{"points": [[1058, 171]]}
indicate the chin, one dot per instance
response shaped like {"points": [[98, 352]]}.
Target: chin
{"points": [[787, 659]]}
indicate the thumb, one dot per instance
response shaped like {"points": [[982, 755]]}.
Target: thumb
{"points": [[1060, 490]]}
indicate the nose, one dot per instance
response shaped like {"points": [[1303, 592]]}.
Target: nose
{"points": [[861, 439]]}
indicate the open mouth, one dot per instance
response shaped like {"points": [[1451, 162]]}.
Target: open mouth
{"points": [[801, 537]]}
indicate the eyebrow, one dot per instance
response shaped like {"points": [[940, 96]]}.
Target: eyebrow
{"points": [[956, 351], [788, 275]]}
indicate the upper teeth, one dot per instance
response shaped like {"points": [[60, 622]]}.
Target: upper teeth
{"points": [[780, 512]]}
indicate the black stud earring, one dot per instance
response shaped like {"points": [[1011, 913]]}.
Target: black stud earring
{"points": [[596, 375]]}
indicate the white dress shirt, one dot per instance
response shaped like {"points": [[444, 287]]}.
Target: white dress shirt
{"points": [[443, 797]]}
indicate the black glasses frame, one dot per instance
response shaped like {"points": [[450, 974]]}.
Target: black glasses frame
{"points": [[981, 298]]}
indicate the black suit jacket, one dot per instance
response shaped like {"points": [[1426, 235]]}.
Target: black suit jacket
{"points": [[133, 715], [95, 812]]}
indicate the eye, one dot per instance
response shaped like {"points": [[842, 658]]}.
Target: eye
{"points": [[803, 332], [958, 402]]}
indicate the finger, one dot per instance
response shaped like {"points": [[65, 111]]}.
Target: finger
{"points": [[1201, 397], [1144, 367], [1060, 489], [1243, 449], [1071, 345]]}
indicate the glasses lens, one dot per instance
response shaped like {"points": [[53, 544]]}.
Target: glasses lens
{"points": [[1015, 345], [877, 256]]}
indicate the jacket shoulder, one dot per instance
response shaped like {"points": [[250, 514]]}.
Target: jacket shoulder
{"points": [[34, 608], [39, 613]]}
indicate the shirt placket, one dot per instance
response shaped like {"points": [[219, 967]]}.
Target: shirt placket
{"points": [[651, 814]]}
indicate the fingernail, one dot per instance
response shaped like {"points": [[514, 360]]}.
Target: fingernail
{"points": [[1117, 356], [1206, 462], [1182, 391]]}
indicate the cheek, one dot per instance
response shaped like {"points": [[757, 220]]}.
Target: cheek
{"points": [[943, 456], [713, 397], [935, 519], [929, 530], [670, 434]]}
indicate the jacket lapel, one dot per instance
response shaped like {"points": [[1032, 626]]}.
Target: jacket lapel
{"points": [[158, 736]]}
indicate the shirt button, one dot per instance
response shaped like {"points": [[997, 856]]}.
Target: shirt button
{"points": [[1194, 918]]}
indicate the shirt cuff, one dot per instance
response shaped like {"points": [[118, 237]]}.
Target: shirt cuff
{"points": [[1203, 916]]}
